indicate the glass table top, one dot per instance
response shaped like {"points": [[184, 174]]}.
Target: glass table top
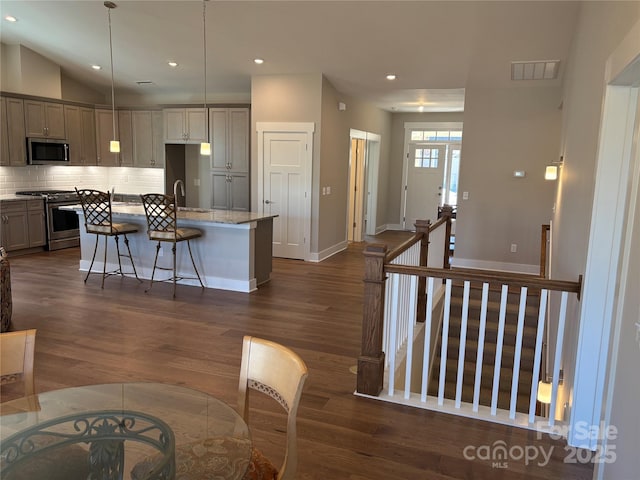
{"points": [[156, 425]]}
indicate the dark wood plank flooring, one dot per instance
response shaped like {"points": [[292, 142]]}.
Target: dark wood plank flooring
{"points": [[87, 335]]}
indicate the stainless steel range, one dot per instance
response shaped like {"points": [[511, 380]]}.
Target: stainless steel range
{"points": [[63, 227]]}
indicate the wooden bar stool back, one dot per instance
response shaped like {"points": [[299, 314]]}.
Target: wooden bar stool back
{"points": [[96, 206], [162, 224]]}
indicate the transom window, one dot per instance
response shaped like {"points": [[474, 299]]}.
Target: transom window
{"points": [[426, 158], [436, 136]]}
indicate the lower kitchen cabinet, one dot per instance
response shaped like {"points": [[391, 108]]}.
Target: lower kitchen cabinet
{"points": [[23, 224], [230, 191]]}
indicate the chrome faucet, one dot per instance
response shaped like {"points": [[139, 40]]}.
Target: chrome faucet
{"points": [[175, 188]]}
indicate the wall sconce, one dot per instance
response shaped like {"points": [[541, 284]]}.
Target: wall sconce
{"points": [[544, 392], [551, 172]]}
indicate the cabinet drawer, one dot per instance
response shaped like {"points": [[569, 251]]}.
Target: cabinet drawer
{"points": [[13, 206], [35, 205]]}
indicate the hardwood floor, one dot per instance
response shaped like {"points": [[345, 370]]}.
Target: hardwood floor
{"points": [[87, 335]]}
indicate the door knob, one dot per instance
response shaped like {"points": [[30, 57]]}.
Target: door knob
{"points": [[268, 202]]}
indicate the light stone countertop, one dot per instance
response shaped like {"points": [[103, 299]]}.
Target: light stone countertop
{"points": [[11, 196], [185, 213]]}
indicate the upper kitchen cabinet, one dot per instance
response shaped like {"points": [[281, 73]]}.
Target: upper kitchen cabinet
{"points": [[12, 134], [148, 144], [44, 119], [230, 138], [80, 124], [185, 125], [104, 135]]}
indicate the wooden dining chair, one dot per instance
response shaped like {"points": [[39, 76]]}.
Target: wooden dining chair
{"points": [[16, 365], [266, 367], [278, 372], [16, 359]]}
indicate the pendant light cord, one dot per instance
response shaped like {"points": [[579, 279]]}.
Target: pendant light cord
{"points": [[204, 49], [113, 98]]}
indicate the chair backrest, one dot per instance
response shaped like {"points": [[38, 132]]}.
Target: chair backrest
{"points": [[280, 373], [96, 206], [16, 358], [160, 210]]}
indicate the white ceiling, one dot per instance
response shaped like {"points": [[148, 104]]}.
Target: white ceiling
{"points": [[436, 49]]}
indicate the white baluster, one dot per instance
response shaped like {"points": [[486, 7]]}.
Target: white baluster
{"points": [[463, 343], [537, 355], [480, 353], [558, 358], [516, 358], [499, 341]]}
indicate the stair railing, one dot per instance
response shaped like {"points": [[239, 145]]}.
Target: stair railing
{"points": [[390, 313], [393, 308]]}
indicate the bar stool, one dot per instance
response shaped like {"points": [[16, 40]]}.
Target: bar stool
{"points": [[96, 206], [162, 226]]}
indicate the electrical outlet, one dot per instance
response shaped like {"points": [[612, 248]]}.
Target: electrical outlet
{"points": [[465, 195], [196, 182], [324, 190], [514, 248], [328, 190]]}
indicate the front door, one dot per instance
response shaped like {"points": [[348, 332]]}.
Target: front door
{"points": [[286, 193], [424, 187]]}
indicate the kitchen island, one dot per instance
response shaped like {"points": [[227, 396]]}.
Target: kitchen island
{"points": [[234, 252]]}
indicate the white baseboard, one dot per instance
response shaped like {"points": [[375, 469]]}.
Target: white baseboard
{"points": [[209, 281], [394, 226], [328, 252], [498, 266]]}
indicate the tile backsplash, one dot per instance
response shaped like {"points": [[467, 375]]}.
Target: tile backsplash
{"points": [[43, 177]]}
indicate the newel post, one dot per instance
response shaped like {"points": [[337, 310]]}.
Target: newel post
{"points": [[422, 226], [371, 360], [447, 212]]}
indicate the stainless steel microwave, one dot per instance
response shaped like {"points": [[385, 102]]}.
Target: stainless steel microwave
{"points": [[47, 151]]}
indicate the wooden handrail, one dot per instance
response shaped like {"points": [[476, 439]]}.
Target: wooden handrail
{"points": [[404, 246], [488, 276]]}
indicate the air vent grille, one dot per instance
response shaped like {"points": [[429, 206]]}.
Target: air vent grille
{"points": [[535, 70], [144, 83]]}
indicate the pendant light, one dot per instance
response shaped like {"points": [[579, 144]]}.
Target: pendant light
{"points": [[205, 147], [114, 145]]}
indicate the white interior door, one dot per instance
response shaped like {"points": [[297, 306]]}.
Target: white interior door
{"points": [[424, 182], [285, 191]]}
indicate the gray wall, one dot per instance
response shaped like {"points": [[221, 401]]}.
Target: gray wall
{"points": [[601, 27], [334, 170], [311, 98], [505, 130], [287, 98]]}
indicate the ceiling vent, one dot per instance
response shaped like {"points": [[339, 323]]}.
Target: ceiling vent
{"points": [[538, 70], [144, 83]]}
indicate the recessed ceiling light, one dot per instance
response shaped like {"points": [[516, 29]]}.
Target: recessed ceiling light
{"points": [[391, 76], [10, 18], [173, 64], [96, 67], [259, 61]]}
